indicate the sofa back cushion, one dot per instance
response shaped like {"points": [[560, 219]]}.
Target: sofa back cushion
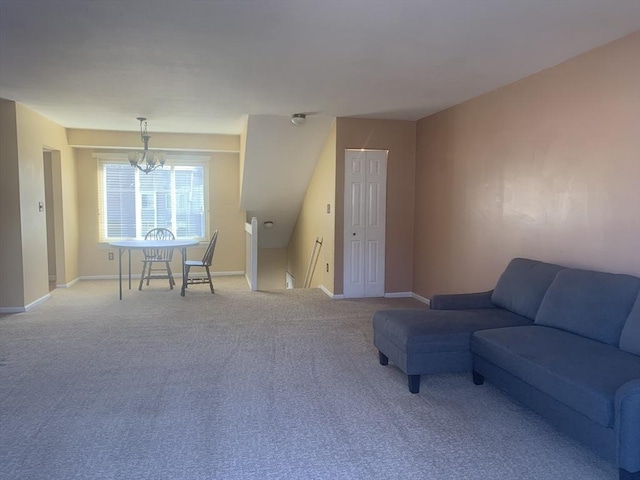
{"points": [[592, 304], [630, 338], [523, 285]]}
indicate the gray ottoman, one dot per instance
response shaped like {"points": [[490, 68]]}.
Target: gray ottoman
{"points": [[423, 341]]}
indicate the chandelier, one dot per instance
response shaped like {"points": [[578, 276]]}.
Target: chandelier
{"points": [[146, 161]]}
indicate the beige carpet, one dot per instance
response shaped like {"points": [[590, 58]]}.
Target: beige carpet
{"points": [[247, 385]]}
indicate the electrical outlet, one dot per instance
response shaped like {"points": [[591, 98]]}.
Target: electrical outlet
{"points": [[328, 208], [110, 255], [327, 267]]}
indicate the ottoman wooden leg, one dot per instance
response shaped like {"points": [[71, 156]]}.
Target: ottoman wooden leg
{"points": [[384, 360], [414, 383], [477, 378]]}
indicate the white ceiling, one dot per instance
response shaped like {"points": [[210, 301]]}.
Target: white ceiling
{"points": [[279, 162], [202, 66], [198, 66]]}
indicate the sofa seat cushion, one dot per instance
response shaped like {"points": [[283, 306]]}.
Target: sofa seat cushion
{"points": [[581, 373], [419, 330], [592, 304]]}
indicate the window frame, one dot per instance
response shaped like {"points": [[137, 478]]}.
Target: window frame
{"points": [[171, 162]]}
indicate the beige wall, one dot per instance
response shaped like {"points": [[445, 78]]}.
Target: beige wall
{"points": [[224, 216], [546, 168], [399, 138], [194, 142], [314, 221], [35, 133], [243, 150], [11, 275], [272, 267]]}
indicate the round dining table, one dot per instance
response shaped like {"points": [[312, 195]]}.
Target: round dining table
{"points": [[129, 245]]}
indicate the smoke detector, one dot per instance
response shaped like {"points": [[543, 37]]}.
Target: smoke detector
{"points": [[298, 119]]}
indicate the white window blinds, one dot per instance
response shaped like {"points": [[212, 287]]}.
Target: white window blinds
{"points": [[131, 202]]}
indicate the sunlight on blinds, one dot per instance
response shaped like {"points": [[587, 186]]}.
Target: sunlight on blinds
{"points": [[131, 203]]}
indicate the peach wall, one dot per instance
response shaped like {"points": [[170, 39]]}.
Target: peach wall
{"points": [[224, 215], [546, 168], [314, 221], [399, 138]]}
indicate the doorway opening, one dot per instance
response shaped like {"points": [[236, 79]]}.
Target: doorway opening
{"points": [[52, 163], [50, 218]]}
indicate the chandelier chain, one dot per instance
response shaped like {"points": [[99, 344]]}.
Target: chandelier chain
{"points": [[144, 161]]}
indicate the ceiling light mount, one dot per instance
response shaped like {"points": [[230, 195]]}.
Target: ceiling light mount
{"points": [[145, 161], [298, 119]]}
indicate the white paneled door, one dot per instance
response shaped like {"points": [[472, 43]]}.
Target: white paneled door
{"points": [[365, 202]]}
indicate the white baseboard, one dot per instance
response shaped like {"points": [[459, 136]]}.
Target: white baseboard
{"points": [[109, 277], [386, 295], [421, 298], [37, 302], [70, 284], [329, 294], [398, 295], [226, 274], [137, 276], [26, 308], [12, 310]]}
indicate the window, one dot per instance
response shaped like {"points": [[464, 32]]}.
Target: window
{"points": [[131, 202]]}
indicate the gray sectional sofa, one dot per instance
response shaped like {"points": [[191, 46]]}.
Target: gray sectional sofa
{"points": [[565, 342]]}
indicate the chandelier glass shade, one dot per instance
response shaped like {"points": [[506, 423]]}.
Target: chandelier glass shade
{"points": [[145, 160]]}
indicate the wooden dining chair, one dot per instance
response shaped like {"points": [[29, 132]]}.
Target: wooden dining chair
{"points": [[157, 256], [206, 261]]}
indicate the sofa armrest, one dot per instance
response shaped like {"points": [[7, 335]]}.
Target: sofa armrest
{"points": [[627, 411], [462, 301]]}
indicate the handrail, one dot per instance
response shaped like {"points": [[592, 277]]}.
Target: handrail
{"points": [[311, 268]]}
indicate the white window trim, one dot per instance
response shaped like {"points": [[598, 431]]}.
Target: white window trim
{"points": [[170, 160]]}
